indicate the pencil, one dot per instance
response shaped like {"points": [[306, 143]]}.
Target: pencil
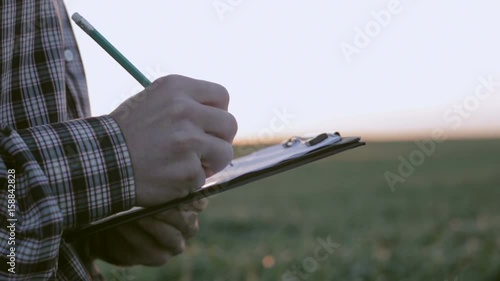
{"points": [[110, 49]]}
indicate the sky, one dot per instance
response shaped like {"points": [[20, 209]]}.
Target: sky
{"points": [[380, 69]]}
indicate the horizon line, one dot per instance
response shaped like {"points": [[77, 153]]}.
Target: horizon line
{"points": [[402, 136]]}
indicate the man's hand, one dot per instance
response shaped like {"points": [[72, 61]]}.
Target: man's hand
{"points": [[150, 241], [178, 132]]}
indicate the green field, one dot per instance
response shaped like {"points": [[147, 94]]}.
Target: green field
{"points": [[442, 223]]}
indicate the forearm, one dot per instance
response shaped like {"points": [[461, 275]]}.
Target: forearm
{"points": [[87, 165], [66, 175]]}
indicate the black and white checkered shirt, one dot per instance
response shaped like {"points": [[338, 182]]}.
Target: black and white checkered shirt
{"points": [[68, 171]]}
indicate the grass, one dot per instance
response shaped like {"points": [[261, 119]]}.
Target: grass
{"points": [[442, 223]]}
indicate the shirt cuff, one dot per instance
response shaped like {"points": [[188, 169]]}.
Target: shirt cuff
{"points": [[88, 167]]}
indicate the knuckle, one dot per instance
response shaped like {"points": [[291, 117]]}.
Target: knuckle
{"points": [[179, 142], [170, 79], [195, 139], [181, 192], [185, 141], [190, 180], [161, 83], [193, 228], [179, 247], [191, 175], [181, 108], [185, 220], [224, 158], [201, 180], [171, 82], [200, 204], [224, 96], [232, 126], [229, 153]]}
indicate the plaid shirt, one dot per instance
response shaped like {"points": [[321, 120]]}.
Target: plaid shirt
{"points": [[68, 172]]}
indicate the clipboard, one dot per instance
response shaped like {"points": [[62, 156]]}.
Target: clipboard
{"points": [[260, 164]]}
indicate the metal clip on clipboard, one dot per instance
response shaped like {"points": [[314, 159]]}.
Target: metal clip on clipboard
{"points": [[263, 163], [308, 141]]}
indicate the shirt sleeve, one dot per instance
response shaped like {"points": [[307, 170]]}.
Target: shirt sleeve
{"points": [[53, 178]]}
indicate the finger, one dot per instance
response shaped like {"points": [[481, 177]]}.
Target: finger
{"points": [[186, 222], [211, 94], [205, 92], [217, 122], [194, 226], [197, 205], [215, 154], [142, 247], [166, 236], [186, 175]]}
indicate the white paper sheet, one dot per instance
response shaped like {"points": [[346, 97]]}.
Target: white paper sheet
{"points": [[265, 158]]}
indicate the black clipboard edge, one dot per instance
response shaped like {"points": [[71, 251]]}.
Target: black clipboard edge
{"points": [[341, 146]]}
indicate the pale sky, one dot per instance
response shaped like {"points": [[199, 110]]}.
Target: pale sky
{"points": [[287, 70]]}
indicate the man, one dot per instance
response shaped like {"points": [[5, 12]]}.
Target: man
{"points": [[60, 169]]}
